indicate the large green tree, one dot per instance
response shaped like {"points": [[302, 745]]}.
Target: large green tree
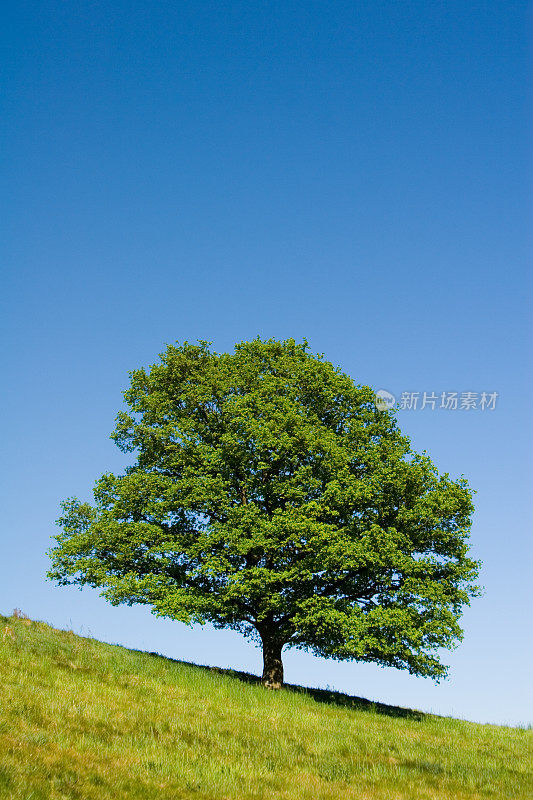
{"points": [[270, 495]]}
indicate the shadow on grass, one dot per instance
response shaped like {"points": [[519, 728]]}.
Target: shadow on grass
{"points": [[357, 703], [327, 696]]}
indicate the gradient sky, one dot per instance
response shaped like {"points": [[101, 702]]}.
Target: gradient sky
{"points": [[353, 172]]}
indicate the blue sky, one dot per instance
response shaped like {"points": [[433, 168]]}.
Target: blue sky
{"points": [[355, 173]]}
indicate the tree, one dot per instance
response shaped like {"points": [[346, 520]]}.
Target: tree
{"points": [[271, 496]]}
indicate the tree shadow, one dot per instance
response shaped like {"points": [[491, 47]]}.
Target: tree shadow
{"points": [[342, 700], [325, 696]]}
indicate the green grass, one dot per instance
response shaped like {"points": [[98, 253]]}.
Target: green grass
{"points": [[83, 719]]}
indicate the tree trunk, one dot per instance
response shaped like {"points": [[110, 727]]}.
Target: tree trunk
{"points": [[272, 664]]}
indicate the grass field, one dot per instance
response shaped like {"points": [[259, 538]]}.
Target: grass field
{"points": [[83, 719]]}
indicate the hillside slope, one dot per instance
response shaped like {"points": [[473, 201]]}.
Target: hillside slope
{"points": [[83, 719]]}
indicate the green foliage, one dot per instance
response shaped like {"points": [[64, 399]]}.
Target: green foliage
{"points": [[84, 720], [270, 495]]}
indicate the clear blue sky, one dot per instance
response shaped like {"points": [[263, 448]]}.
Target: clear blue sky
{"points": [[352, 172]]}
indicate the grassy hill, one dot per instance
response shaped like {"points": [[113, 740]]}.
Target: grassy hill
{"points": [[83, 719]]}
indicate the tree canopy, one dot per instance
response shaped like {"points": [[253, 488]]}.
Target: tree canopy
{"points": [[270, 495]]}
